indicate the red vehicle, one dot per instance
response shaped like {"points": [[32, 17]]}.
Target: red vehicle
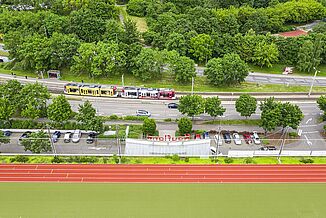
{"points": [[247, 138], [197, 136]]}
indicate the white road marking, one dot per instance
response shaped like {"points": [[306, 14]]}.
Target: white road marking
{"points": [[310, 119]]}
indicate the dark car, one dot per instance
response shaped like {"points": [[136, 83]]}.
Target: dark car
{"points": [[227, 137], [56, 135], [91, 138], [25, 135], [7, 133], [173, 105], [271, 148]]}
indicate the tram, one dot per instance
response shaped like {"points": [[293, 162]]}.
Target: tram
{"points": [[115, 91]]}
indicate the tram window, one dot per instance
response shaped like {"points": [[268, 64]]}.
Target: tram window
{"points": [[73, 90], [89, 91]]}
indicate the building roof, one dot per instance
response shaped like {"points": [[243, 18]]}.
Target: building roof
{"points": [[294, 33]]}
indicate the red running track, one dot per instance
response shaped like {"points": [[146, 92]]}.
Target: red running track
{"points": [[162, 173]]}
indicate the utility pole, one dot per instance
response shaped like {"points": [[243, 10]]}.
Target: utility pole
{"points": [[118, 142], [282, 143], [51, 141], [313, 81], [192, 86]]}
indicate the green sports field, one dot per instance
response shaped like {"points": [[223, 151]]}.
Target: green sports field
{"points": [[162, 200]]}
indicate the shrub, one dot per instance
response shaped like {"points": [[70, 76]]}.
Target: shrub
{"points": [[20, 159], [134, 118], [184, 125], [57, 159], [113, 117], [307, 161], [228, 160], [138, 161], [175, 157], [187, 159], [293, 134], [115, 158], [149, 127], [167, 120], [214, 160], [248, 160]]}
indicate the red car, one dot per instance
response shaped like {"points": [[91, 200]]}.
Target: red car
{"points": [[247, 138]]}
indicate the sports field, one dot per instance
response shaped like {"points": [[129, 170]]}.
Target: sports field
{"points": [[162, 200]]}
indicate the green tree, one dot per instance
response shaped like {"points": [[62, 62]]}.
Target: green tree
{"points": [[265, 54], [149, 127], [131, 34], [33, 100], [83, 60], [177, 42], [191, 105], [321, 101], [37, 142], [10, 91], [6, 109], [185, 126], [59, 110], [213, 107], [183, 68], [87, 116], [270, 114], [201, 46], [309, 56], [291, 115], [148, 64], [3, 139], [229, 70], [246, 105]]}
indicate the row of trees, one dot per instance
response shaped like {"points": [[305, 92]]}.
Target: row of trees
{"points": [[31, 101], [273, 113]]}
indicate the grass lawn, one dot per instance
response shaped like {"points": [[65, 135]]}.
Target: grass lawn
{"points": [[162, 200]]}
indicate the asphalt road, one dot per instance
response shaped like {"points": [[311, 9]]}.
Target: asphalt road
{"points": [[160, 110]]}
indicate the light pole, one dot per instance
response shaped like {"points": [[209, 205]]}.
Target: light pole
{"points": [[313, 81], [51, 141], [192, 86]]}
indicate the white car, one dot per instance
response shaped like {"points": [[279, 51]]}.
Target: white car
{"points": [[256, 138], [67, 137], [143, 113], [218, 139], [76, 136], [236, 139]]}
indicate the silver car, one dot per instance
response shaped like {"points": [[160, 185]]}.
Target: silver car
{"points": [[143, 113], [236, 139], [76, 136]]}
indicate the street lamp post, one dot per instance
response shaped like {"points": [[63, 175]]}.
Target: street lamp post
{"points": [[313, 81], [51, 141]]}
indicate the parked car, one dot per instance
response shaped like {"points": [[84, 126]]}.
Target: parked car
{"points": [[91, 138], [7, 133], [236, 138], [197, 136], [256, 138], [247, 138], [271, 148], [76, 136], [205, 135], [25, 135], [143, 113], [218, 139], [67, 137], [227, 137], [173, 105], [55, 136]]}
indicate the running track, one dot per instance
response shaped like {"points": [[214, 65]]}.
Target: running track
{"points": [[161, 173]]}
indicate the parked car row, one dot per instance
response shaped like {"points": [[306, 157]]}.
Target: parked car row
{"points": [[236, 137], [68, 136]]}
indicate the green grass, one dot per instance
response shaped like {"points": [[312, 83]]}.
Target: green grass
{"points": [[141, 23], [4, 53], [162, 200], [162, 160], [278, 69], [248, 122]]}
